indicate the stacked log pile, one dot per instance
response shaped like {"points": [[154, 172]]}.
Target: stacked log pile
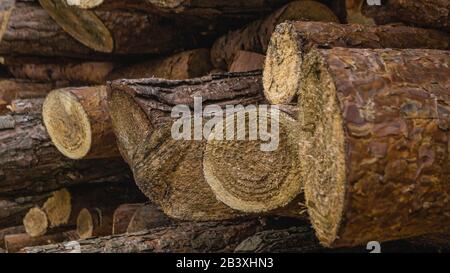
{"points": [[101, 104]]}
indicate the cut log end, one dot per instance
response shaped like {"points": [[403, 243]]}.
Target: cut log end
{"points": [[283, 65], [85, 4], [322, 134], [254, 176], [79, 124], [67, 124], [83, 25], [35, 222], [86, 224], [58, 208]]}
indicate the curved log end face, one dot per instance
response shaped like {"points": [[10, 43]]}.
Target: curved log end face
{"points": [[67, 124], [85, 224], [58, 208], [283, 65], [130, 128], [85, 4], [170, 174], [83, 25], [167, 4], [246, 176], [322, 147], [376, 144], [35, 222]]}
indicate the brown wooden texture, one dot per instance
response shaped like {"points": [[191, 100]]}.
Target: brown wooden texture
{"points": [[78, 122], [30, 164], [256, 36], [141, 115], [374, 143], [183, 238], [292, 41]]}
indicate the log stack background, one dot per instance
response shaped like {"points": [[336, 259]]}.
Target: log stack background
{"points": [[86, 152]]}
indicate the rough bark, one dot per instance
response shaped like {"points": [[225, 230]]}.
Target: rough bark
{"points": [[292, 240], [16, 242], [73, 71], [301, 239], [374, 143], [260, 172], [293, 40], [123, 216], [246, 61], [185, 65], [30, 24], [78, 122], [148, 217], [12, 89], [425, 13], [256, 36], [167, 170], [183, 238], [94, 222], [30, 164]]}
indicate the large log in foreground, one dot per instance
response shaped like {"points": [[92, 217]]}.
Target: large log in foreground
{"points": [[183, 238], [166, 168], [256, 36], [374, 143], [258, 171], [78, 122], [30, 164], [293, 40]]}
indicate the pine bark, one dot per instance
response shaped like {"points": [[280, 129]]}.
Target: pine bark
{"points": [[374, 143], [106, 35], [14, 89], [30, 164], [424, 13], [169, 171], [180, 66], [76, 72], [183, 238], [293, 40], [256, 36]]}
